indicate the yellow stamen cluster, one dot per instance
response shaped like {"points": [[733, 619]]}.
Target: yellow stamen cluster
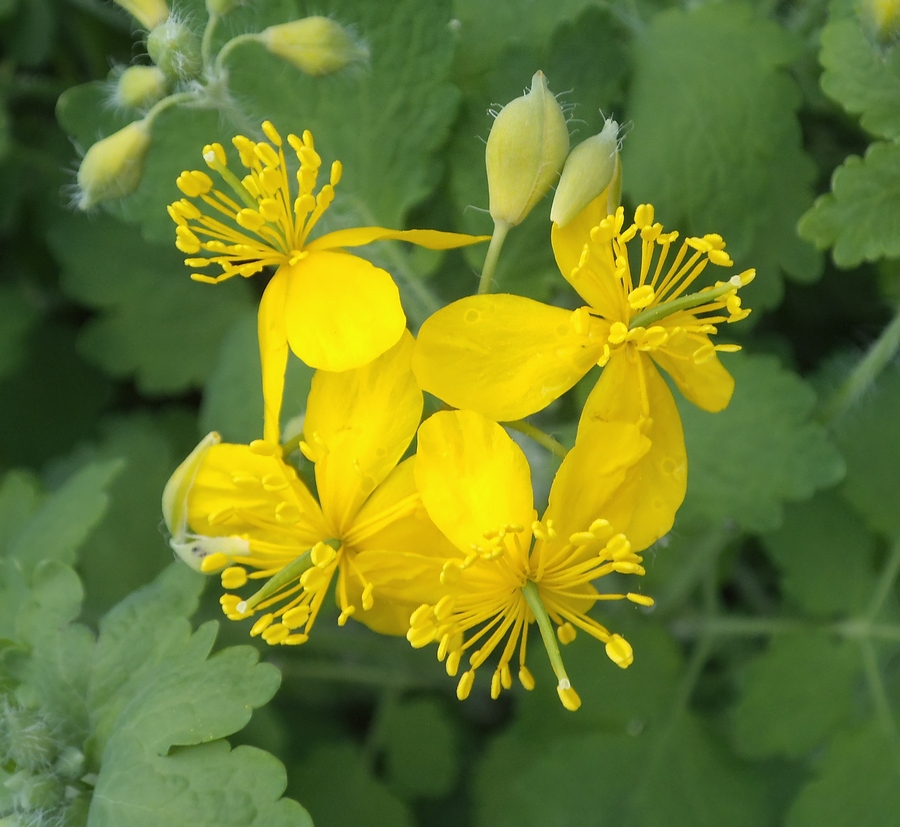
{"points": [[503, 587], [653, 311], [266, 225]]}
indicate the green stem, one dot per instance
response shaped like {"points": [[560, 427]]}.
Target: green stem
{"points": [[864, 374], [291, 445], [885, 582], [501, 228], [533, 599], [289, 573], [206, 42], [661, 311], [539, 436], [167, 103], [876, 687], [230, 46]]}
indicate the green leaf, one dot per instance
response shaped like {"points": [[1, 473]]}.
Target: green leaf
{"points": [[20, 495], [862, 77], [857, 784], [16, 317], [403, 104], [421, 749], [762, 450], [796, 694], [861, 215], [65, 519], [232, 401], [870, 441], [154, 323], [716, 145], [339, 790], [825, 554]]}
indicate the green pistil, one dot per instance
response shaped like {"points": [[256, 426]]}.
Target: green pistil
{"points": [[658, 313], [287, 575], [533, 599]]}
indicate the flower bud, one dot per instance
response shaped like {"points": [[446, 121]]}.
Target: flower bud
{"points": [[882, 18], [315, 45], [591, 168], [112, 167], [140, 86], [176, 50], [525, 152], [175, 494], [149, 13]]}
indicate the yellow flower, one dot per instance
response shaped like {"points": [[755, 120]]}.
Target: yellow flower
{"points": [[508, 356], [507, 570], [336, 311], [358, 425]]}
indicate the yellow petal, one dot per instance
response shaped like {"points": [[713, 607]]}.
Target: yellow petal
{"points": [[240, 492], [631, 389], [358, 236], [504, 356], [708, 385], [591, 475], [595, 281], [472, 477], [358, 424], [273, 352], [341, 311]]}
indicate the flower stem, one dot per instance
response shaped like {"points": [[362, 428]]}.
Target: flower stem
{"points": [[167, 103], [229, 46], [864, 374], [206, 43], [539, 436], [501, 228], [289, 573]]}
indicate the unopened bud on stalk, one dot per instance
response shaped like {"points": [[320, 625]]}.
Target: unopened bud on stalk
{"points": [[882, 17], [149, 13], [591, 169], [112, 167], [176, 50], [526, 148], [315, 45], [140, 86]]}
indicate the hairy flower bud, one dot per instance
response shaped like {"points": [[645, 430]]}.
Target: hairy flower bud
{"points": [[315, 45], [149, 13], [140, 86], [526, 148], [112, 167], [174, 47], [591, 169], [882, 17]]}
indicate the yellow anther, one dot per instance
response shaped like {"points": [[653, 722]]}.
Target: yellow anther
{"points": [[444, 608], [215, 154], [336, 171], [640, 599], [276, 634], [186, 241], [368, 600], [214, 562], [250, 220], [627, 567], [229, 602], [295, 640], [643, 215], [581, 538], [322, 555], [262, 624], [345, 615], [720, 258], [464, 687], [656, 337], [450, 573], [495, 685], [600, 528], [421, 635], [733, 305], [618, 547], [568, 696], [270, 178], [263, 449], [234, 577], [618, 333], [566, 633], [271, 133], [194, 183], [287, 513], [453, 660], [270, 209], [704, 353], [580, 321], [526, 678], [198, 262], [294, 618], [424, 614], [619, 651], [314, 579], [267, 155]]}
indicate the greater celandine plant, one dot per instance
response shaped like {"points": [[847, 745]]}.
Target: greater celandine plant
{"points": [[445, 546]]}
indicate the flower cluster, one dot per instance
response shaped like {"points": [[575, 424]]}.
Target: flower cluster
{"points": [[444, 545]]}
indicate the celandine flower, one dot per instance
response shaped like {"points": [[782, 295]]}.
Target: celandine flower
{"points": [[508, 356], [251, 517], [507, 570], [336, 311]]}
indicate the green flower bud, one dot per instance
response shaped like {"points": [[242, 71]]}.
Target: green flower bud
{"points": [[176, 50], [526, 148], [882, 18], [589, 171], [140, 86], [315, 45], [149, 13], [175, 494], [35, 792], [31, 745], [112, 167], [70, 763]]}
